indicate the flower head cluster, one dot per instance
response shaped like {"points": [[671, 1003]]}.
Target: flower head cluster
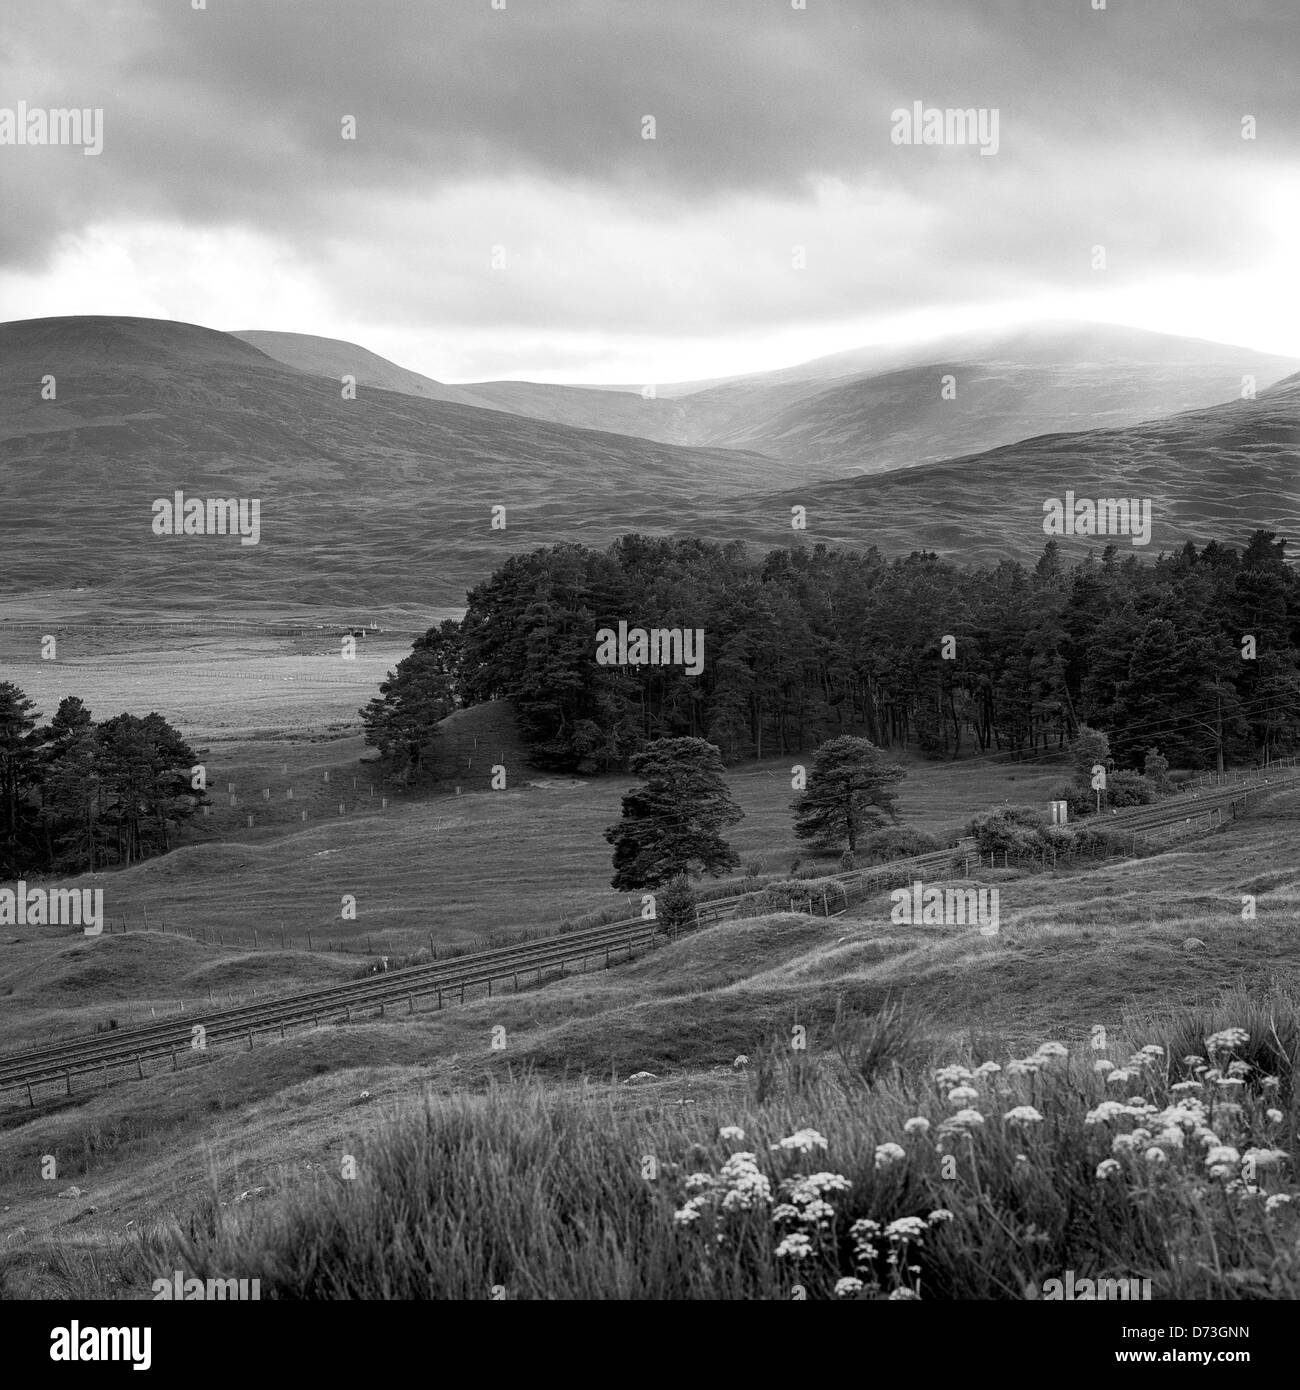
{"points": [[738, 1186], [1148, 1056], [963, 1122], [1223, 1161], [746, 1186], [806, 1201], [953, 1076], [1227, 1041], [801, 1141]]}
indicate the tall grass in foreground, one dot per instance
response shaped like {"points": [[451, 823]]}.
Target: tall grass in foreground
{"points": [[849, 1179]]}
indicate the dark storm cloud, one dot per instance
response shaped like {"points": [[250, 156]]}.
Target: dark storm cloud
{"points": [[1117, 125]]}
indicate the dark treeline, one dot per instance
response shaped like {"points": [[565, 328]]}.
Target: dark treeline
{"points": [[76, 794], [1196, 653]]}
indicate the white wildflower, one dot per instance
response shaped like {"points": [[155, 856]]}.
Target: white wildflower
{"points": [[952, 1076], [1264, 1158], [803, 1140]]}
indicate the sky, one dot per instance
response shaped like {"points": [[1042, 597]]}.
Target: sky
{"points": [[501, 213]]}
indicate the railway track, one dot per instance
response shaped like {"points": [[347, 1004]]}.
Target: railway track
{"points": [[332, 1003], [183, 1034]]}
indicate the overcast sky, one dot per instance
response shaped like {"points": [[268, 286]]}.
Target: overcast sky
{"points": [[226, 195]]}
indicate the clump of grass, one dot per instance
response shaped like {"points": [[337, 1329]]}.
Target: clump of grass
{"points": [[887, 1043]]}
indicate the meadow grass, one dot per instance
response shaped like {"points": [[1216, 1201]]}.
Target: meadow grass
{"points": [[819, 1173]]}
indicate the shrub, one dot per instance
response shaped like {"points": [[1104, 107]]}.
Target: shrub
{"points": [[675, 905], [1010, 830], [1130, 789], [793, 895], [1100, 841], [847, 862], [897, 842], [1060, 838]]}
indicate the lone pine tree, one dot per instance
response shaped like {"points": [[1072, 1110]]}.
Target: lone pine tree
{"points": [[850, 787], [670, 826]]}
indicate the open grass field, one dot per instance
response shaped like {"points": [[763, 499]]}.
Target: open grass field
{"points": [[1099, 947], [217, 687], [433, 869]]}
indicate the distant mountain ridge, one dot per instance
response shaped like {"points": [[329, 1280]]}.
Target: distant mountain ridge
{"points": [[870, 409], [387, 501]]}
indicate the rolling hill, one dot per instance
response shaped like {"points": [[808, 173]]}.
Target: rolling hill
{"points": [[874, 408], [1220, 473], [377, 501], [383, 504], [621, 410]]}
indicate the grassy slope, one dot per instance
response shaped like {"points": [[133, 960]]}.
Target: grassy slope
{"points": [[457, 867], [147, 407], [1220, 472], [1074, 951]]}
